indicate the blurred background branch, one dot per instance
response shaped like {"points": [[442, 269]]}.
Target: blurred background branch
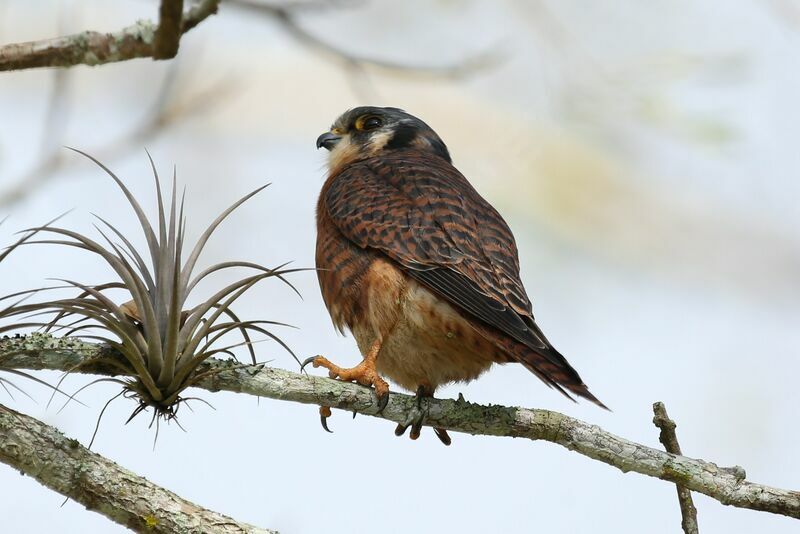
{"points": [[173, 104], [727, 485], [168, 34], [286, 15]]}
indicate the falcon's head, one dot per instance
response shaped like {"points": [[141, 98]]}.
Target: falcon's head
{"points": [[367, 131]]}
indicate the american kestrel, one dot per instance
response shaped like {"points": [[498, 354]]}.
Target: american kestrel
{"points": [[419, 267]]}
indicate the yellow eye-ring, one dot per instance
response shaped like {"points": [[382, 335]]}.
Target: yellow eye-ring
{"points": [[368, 122]]}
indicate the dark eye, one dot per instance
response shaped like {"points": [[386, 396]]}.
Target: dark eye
{"points": [[370, 123]]}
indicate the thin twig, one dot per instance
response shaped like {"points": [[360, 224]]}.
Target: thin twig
{"points": [[95, 48], [725, 484], [64, 465], [669, 440]]}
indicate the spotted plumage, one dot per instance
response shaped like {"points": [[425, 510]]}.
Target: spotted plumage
{"points": [[415, 262]]}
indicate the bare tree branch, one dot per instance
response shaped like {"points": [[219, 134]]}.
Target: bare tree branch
{"points": [[669, 440], [95, 48], [65, 466], [725, 484]]}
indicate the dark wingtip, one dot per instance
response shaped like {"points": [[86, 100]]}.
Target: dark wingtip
{"points": [[563, 377], [571, 379], [580, 390], [583, 391]]}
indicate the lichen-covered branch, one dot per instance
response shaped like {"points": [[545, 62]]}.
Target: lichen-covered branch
{"points": [[64, 465], [142, 39], [725, 484], [669, 439]]}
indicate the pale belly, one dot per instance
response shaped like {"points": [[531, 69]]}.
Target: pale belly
{"points": [[428, 343]]}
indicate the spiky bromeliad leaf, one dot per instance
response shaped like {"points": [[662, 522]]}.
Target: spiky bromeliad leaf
{"points": [[7, 310], [163, 342]]}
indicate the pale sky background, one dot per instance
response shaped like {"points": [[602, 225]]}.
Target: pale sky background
{"points": [[645, 155]]}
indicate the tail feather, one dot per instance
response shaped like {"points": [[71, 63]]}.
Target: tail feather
{"points": [[549, 365], [555, 371]]}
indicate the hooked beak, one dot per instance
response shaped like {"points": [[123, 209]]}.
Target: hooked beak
{"points": [[328, 140]]}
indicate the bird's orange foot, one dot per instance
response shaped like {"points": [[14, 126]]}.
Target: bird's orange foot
{"points": [[364, 373], [417, 417]]}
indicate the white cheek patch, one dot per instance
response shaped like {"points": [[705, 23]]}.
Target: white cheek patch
{"points": [[378, 141], [342, 153]]}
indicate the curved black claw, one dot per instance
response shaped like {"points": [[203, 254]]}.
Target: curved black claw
{"points": [[306, 362], [443, 436], [324, 413], [400, 429], [416, 428], [324, 422], [383, 401]]}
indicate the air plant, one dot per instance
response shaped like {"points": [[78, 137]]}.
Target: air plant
{"points": [[159, 341]]}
